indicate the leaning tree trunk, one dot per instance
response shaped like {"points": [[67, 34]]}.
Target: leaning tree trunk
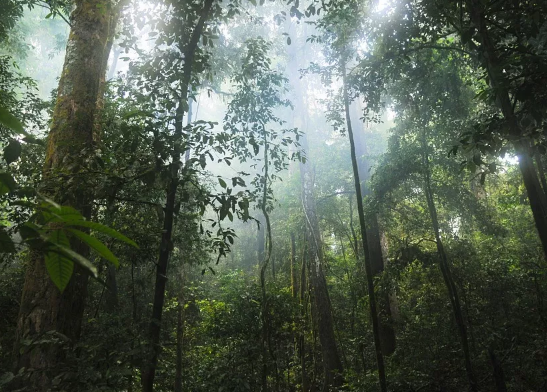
{"points": [[70, 142], [387, 333], [536, 196], [445, 268], [363, 227], [149, 369]]}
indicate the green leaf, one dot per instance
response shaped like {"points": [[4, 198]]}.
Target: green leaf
{"points": [[7, 183], [10, 121], [79, 259], [6, 243], [60, 269], [61, 214], [12, 151], [94, 243], [49, 201], [101, 229], [222, 182]]}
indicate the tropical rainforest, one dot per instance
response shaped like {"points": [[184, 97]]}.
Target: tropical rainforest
{"points": [[273, 195]]}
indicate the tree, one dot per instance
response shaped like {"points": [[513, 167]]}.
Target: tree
{"points": [[45, 311]]}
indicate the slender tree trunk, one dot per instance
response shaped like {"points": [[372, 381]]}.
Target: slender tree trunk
{"points": [[149, 370], [294, 278], [445, 268], [499, 376], [267, 347], [188, 122], [387, 333], [364, 238], [111, 297], [322, 312], [536, 196], [180, 338], [332, 364], [43, 308], [303, 316]]}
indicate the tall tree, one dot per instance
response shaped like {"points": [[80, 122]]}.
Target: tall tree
{"points": [[364, 164], [332, 364], [188, 46], [45, 311], [364, 238]]}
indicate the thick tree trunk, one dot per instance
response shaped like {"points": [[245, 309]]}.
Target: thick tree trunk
{"points": [[541, 171], [364, 238], [387, 333], [43, 308], [149, 369], [536, 196], [445, 268]]}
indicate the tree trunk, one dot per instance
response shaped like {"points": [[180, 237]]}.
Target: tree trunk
{"points": [[445, 268], [536, 196], [499, 376], [332, 365], [387, 333], [364, 239], [180, 337], [43, 308], [303, 316], [149, 369], [294, 278], [111, 297], [541, 171], [322, 313]]}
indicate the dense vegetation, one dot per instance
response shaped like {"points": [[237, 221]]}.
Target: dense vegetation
{"points": [[336, 195]]}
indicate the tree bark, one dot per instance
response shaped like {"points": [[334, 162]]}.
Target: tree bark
{"points": [[166, 246], [43, 308], [364, 239]]}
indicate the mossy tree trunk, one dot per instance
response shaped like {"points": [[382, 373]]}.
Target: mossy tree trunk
{"points": [[44, 310]]}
